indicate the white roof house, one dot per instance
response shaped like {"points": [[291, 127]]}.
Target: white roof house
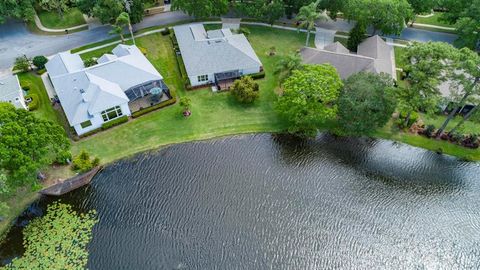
{"points": [[208, 53], [89, 95], [373, 55], [10, 91]]}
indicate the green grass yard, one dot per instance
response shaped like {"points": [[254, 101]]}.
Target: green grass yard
{"points": [[433, 20], [53, 20]]}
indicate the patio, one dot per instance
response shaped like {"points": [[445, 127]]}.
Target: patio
{"points": [[145, 102]]}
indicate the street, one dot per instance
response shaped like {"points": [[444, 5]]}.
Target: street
{"points": [[16, 40]]}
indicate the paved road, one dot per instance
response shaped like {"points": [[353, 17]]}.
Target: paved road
{"points": [[412, 34], [15, 40]]}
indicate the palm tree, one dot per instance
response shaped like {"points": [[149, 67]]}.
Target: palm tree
{"points": [[287, 65], [122, 20], [308, 15]]}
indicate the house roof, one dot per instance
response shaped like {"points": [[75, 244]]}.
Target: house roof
{"points": [[9, 86], [373, 55], [214, 51], [336, 47], [87, 91]]}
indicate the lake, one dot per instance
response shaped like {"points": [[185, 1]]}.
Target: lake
{"points": [[277, 202]]}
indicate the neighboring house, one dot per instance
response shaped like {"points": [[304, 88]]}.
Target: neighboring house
{"points": [[373, 55], [215, 56], [10, 91], [91, 96]]}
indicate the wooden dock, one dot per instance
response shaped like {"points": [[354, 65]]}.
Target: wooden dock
{"points": [[71, 184]]}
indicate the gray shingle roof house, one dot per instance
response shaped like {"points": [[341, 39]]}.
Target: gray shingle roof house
{"points": [[373, 55], [207, 54], [93, 95], [10, 91]]}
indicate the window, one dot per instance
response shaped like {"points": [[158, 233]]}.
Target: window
{"points": [[202, 78], [86, 124], [112, 113]]}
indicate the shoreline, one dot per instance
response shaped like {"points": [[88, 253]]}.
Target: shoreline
{"points": [[32, 197]]}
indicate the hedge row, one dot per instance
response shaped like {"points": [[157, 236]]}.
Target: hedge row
{"points": [[259, 75], [105, 126], [35, 103], [153, 108], [115, 122]]}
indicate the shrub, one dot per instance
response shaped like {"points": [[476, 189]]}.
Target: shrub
{"points": [[245, 90], [63, 158], [429, 130], [41, 71], [25, 85], [259, 75], [35, 103], [143, 50], [40, 61], [357, 35], [115, 122], [83, 163], [90, 62], [165, 31], [244, 31], [22, 64], [403, 117], [153, 108], [4, 210]]}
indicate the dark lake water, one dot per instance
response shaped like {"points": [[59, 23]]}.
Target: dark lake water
{"points": [[272, 202]]}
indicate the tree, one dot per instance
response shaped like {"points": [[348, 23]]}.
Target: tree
{"points": [[307, 16], [293, 6], [60, 6], [309, 98], [426, 69], [266, 10], [185, 102], [58, 240], [27, 144], [465, 79], [421, 6], [333, 7], [245, 90], [201, 8], [121, 22], [366, 103], [137, 11], [465, 14], [40, 61], [357, 35], [388, 16], [287, 64], [105, 10], [22, 63], [20, 9]]}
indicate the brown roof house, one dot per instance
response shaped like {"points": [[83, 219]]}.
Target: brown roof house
{"points": [[373, 55]]}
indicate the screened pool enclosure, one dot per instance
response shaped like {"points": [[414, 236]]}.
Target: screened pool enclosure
{"points": [[147, 94]]}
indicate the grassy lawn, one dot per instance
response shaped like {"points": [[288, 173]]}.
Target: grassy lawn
{"points": [[468, 127], [53, 20], [389, 132], [399, 60], [433, 20]]}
